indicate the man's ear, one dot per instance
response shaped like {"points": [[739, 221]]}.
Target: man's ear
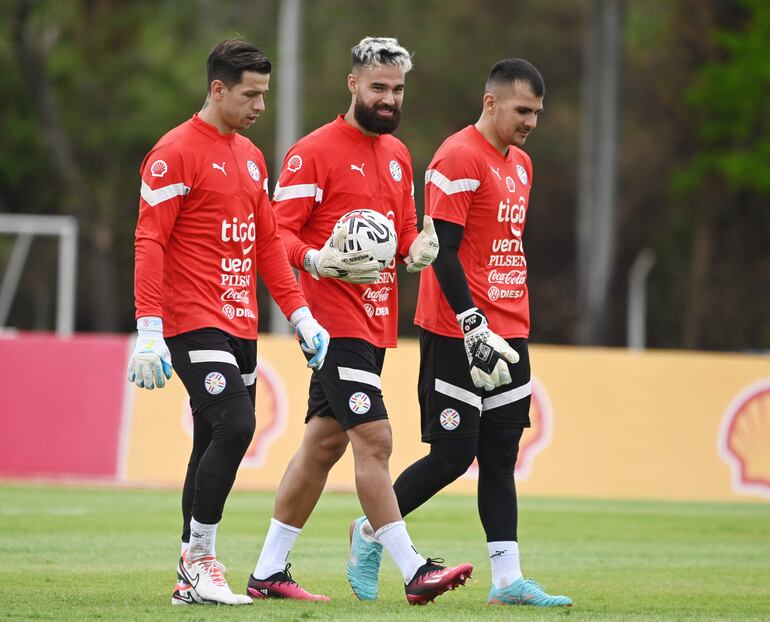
{"points": [[490, 103], [217, 89]]}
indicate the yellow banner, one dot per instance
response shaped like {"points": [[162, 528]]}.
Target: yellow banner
{"points": [[606, 423]]}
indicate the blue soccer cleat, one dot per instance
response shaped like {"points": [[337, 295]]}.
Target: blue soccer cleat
{"points": [[526, 592], [364, 562]]}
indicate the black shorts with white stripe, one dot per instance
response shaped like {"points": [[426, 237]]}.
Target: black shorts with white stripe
{"points": [[348, 386], [213, 365], [451, 406]]}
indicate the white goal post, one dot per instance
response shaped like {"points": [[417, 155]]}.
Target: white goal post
{"points": [[25, 227]]}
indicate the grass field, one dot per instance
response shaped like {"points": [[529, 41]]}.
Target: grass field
{"points": [[103, 554]]}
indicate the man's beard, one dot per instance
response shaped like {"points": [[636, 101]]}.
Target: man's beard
{"points": [[368, 118]]}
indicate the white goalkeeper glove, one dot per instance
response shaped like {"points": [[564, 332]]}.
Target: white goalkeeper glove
{"points": [[424, 249], [332, 261], [487, 352], [150, 364], [313, 338]]}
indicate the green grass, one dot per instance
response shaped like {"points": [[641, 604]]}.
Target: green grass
{"points": [[103, 554]]}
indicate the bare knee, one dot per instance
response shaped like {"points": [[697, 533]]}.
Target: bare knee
{"points": [[372, 441], [331, 449], [322, 450]]}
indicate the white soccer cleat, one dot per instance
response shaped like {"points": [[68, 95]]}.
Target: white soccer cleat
{"points": [[207, 580], [184, 594]]}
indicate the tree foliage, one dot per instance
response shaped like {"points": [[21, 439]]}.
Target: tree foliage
{"points": [[89, 85], [731, 100]]}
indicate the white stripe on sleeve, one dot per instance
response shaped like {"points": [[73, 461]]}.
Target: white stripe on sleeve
{"points": [[450, 186], [297, 191], [153, 197]]}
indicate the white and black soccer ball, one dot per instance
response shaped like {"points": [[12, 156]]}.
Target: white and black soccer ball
{"points": [[368, 230]]}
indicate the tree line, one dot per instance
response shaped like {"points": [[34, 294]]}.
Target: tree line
{"points": [[89, 85]]}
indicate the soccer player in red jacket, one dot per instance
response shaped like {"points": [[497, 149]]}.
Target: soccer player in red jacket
{"points": [[351, 163], [473, 306], [205, 229]]}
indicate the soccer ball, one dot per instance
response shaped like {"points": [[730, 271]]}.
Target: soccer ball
{"points": [[368, 230]]}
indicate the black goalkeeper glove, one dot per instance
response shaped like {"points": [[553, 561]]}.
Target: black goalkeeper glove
{"points": [[487, 352]]}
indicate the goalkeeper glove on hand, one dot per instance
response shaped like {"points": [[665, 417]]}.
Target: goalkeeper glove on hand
{"points": [[424, 249], [150, 364], [487, 352], [313, 338], [334, 262]]}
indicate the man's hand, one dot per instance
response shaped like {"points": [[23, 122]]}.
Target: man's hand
{"points": [[424, 249], [313, 338], [333, 262], [487, 352], [150, 364]]}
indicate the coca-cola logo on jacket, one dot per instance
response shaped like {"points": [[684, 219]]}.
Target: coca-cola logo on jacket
{"points": [[512, 277], [377, 295], [236, 295]]}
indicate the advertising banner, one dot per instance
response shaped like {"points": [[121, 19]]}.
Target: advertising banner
{"points": [[606, 423]]}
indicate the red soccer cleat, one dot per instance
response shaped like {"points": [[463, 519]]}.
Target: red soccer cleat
{"points": [[432, 580], [280, 585]]}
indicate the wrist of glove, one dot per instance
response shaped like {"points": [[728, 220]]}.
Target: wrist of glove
{"points": [[332, 261], [488, 353], [150, 363], [424, 250], [313, 338]]}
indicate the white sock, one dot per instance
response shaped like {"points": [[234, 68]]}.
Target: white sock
{"points": [[367, 531], [504, 557], [185, 546], [396, 540], [203, 540], [275, 551]]}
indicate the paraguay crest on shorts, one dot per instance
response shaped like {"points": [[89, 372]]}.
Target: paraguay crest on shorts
{"points": [[359, 403], [449, 419], [215, 383]]}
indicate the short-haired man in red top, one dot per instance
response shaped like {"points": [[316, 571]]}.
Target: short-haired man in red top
{"points": [[473, 307], [351, 163], [205, 229]]}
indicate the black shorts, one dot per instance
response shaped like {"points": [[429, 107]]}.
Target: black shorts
{"points": [[348, 386], [450, 404], [214, 366]]}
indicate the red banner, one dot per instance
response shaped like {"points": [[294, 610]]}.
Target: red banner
{"points": [[62, 405]]}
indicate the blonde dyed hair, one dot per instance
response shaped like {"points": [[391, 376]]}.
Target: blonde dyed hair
{"points": [[378, 51]]}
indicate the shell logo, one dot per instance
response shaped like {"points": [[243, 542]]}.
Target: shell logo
{"points": [[271, 415], [294, 163], [744, 440], [158, 168], [535, 438]]}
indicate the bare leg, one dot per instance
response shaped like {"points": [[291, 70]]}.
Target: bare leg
{"points": [[323, 444], [372, 445]]}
